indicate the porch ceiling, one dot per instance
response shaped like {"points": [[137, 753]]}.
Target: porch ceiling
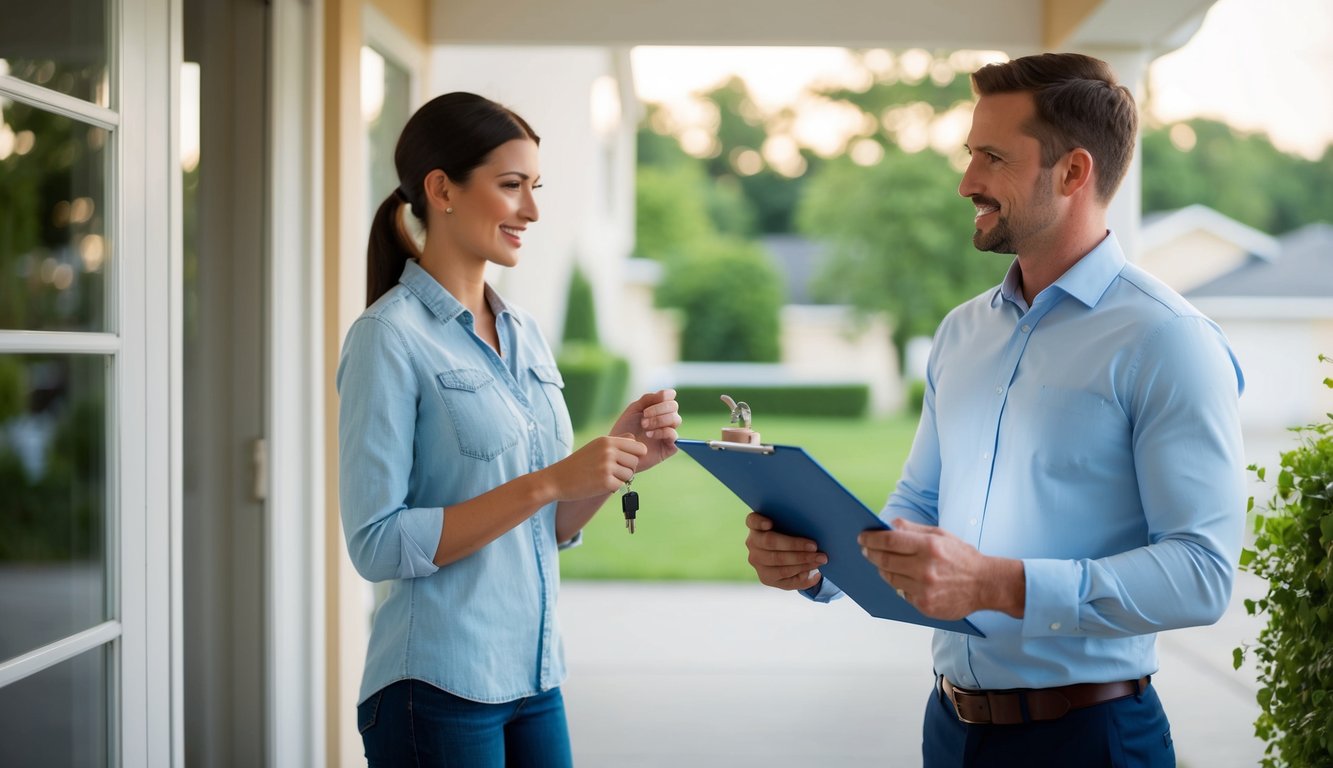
{"points": [[1015, 26]]}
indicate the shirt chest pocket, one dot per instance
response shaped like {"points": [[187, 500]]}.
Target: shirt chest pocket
{"points": [[481, 418], [551, 384]]}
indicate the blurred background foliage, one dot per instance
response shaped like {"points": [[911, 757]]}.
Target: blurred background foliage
{"points": [[52, 257], [884, 206]]}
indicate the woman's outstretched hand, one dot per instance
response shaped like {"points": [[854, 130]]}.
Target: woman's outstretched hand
{"points": [[652, 419]]}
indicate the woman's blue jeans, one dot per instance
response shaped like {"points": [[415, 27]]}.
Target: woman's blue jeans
{"points": [[411, 723]]}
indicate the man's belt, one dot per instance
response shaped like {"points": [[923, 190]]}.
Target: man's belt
{"points": [[1025, 705]]}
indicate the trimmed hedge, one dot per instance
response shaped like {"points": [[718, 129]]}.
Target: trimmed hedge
{"points": [[835, 400], [611, 398], [580, 310], [595, 381], [916, 395]]}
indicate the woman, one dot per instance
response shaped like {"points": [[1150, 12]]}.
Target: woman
{"points": [[457, 481]]}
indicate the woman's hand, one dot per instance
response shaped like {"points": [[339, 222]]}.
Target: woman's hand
{"points": [[598, 468], [652, 419]]}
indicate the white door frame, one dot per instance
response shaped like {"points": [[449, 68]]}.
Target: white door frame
{"points": [[295, 527], [149, 381]]}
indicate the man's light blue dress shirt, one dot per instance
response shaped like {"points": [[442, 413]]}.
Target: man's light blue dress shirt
{"points": [[431, 416], [1095, 436]]}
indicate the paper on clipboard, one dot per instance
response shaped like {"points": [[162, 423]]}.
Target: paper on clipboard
{"points": [[786, 484]]}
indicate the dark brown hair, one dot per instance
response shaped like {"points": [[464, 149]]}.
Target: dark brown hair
{"points": [[454, 133], [1079, 104]]}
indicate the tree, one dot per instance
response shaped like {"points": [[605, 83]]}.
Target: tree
{"points": [[740, 200], [730, 294], [898, 239], [1212, 164], [670, 214]]}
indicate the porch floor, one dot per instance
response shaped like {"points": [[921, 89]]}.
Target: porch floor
{"points": [[664, 675]]}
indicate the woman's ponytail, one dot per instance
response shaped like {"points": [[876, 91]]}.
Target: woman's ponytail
{"points": [[388, 251]]}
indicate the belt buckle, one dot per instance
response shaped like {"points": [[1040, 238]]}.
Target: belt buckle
{"points": [[987, 707], [973, 708]]}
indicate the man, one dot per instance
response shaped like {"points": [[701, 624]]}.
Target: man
{"points": [[1076, 483]]}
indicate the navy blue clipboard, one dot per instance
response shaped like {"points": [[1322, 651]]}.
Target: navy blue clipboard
{"points": [[786, 485]]}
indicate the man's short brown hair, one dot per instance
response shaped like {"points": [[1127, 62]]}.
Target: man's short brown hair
{"points": [[1079, 104]]}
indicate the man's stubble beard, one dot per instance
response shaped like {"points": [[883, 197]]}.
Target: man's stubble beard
{"points": [[1002, 238]]}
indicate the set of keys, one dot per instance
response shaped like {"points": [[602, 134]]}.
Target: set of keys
{"points": [[629, 504]]}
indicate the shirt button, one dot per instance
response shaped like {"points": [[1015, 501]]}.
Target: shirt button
{"points": [[985, 454], [532, 426], [1027, 328], [1055, 626], [999, 390], [972, 522]]}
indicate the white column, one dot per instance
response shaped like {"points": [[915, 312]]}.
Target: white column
{"points": [[1131, 67]]}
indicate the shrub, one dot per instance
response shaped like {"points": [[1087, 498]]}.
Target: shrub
{"points": [[830, 400], [731, 294], [580, 309], [584, 368], [614, 386], [916, 395], [595, 378], [1294, 651]]}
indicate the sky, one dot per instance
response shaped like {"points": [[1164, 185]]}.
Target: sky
{"points": [[1260, 65]]}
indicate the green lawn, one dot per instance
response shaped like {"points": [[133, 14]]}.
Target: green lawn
{"points": [[690, 527]]}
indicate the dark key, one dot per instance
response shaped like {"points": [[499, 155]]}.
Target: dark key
{"points": [[629, 504]]}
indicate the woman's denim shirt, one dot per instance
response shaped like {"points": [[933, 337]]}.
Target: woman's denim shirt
{"points": [[431, 416]]}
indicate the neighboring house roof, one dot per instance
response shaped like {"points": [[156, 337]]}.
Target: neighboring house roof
{"points": [[1304, 268], [1160, 228], [798, 259]]}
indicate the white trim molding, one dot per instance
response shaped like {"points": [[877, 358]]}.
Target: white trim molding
{"points": [[294, 589]]}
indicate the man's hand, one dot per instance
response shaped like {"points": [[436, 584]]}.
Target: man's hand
{"points": [[781, 561], [941, 575]]}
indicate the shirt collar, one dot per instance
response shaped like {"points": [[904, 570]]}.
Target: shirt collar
{"points": [[439, 301], [1086, 281]]}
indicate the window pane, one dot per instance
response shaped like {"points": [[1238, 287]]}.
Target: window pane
{"points": [[58, 44], [386, 103], [53, 245], [58, 717], [53, 507]]}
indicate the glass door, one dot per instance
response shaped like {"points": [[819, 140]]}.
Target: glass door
{"points": [[59, 349], [84, 384]]}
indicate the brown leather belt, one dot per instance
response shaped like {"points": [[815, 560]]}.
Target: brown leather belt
{"points": [[1026, 705]]}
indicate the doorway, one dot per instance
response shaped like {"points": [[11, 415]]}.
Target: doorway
{"points": [[224, 340]]}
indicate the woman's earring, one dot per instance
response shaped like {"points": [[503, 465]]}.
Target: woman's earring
{"points": [[448, 210]]}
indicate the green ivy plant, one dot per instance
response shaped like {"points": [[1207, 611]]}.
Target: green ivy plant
{"points": [[1293, 551]]}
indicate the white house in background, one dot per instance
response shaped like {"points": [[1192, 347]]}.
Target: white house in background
{"points": [[1190, 246], [1273, 297]]}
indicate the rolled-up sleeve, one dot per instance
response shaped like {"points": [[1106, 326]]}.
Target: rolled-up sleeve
{"points": [[377, 413]]}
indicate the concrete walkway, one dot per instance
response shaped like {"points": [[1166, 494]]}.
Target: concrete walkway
{"points": [[688, 675]]}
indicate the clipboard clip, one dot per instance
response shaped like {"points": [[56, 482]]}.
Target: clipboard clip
{"points": [[727, 445]]}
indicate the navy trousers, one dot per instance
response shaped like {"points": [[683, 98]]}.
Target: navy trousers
{"points": [[1126, 733]]}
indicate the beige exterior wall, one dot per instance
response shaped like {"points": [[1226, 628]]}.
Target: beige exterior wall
{"points": [[1061, 18], [411, 17], [343, 299]]}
